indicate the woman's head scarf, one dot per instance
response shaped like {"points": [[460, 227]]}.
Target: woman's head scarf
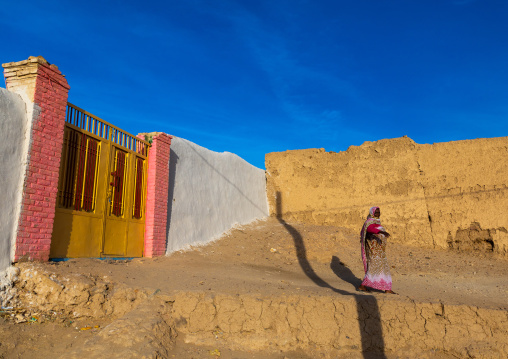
{"points": [[371, 212]]}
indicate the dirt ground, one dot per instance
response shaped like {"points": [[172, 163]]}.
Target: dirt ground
{"points": [[265, 258]]}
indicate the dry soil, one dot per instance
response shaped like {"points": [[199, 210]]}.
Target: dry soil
{"points": [[262, 259]]}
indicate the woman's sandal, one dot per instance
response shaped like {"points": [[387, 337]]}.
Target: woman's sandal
{"points": [[362, 289], [390, 292]]}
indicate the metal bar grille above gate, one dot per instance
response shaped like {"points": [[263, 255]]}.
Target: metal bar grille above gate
{"points": [[97, 126]]}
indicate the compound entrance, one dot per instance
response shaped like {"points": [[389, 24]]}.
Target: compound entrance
{"points": [[101, 191]]}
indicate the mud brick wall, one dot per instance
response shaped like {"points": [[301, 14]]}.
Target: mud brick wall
{"points": [[445, 195], [44, 90], [336, 324], [466, 191]]}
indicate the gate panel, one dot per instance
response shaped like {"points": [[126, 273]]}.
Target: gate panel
{"points": [[79, 225], [101, 192], [115, 238], [137, 221]]}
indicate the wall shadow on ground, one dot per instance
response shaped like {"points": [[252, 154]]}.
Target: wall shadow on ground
{"points": [[369, 317]]}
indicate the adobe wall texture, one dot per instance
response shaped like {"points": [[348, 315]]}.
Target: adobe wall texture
{"points": [[444, 195], [210, 192], [337, 324], [13, 127]]}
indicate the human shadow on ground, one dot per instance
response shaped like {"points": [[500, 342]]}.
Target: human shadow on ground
{"points": [[369, 318], [344, 273]]}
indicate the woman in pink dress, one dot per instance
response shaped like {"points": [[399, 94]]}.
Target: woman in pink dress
{"points": [[373, 241]]}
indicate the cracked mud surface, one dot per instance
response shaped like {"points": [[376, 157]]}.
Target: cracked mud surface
{"points": [[272, 262]]}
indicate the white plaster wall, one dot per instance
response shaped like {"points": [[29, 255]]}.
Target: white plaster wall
{"points": [[13, 144], [211, 193]]}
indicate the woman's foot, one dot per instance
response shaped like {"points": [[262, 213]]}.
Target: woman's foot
{"points": [[390, 292], [363, 288]]}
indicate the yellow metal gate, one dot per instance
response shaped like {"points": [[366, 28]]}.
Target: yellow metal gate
{"points": [[101, 191]]}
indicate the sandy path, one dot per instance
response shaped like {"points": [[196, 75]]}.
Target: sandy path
{"points": [[324, 260]]}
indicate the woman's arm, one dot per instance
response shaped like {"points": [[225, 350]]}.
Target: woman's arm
{"points": [[374, 229]]}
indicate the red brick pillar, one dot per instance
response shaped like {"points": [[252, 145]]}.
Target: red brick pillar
{"points": [[45, 90], [157, 196]]}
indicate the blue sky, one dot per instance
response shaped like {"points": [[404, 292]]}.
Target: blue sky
{"points": [[252, 77]]}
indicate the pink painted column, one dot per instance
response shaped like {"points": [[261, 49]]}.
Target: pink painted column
{"points": [[45, 91], [157, 196]]}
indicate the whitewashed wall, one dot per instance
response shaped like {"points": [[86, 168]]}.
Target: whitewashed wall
{"points": [[13, 143], [210, 192]]}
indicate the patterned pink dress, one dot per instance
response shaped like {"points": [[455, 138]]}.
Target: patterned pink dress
{"points": [[375, 264]]}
